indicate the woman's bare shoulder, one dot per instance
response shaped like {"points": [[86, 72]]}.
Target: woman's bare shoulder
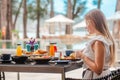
{"points": [[98, 43]]}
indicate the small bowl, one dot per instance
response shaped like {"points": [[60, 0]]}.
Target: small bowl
{"points": [[19, 59], [52, 63], [42, 60]]}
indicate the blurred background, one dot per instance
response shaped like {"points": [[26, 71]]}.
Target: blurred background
{"points": [[58, 21], [23, 19]]}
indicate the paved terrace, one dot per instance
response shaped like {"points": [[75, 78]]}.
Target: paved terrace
{"points": [[43, 76]]}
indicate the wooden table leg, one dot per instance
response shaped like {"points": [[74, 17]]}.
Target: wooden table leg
{"points": [[3, 75], [0, 75], [63, 75], [18, 76]]}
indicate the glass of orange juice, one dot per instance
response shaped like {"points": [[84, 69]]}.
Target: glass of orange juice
{"points": [[52, 50], [19, 50]]}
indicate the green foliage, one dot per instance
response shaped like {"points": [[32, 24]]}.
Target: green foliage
{"points": [[97, 3], [14, 6], [32, 9], [16, 32], [79, 7], [0, 34]]}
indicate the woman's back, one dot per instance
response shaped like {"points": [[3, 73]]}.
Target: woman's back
{"points": [[88, 51]]}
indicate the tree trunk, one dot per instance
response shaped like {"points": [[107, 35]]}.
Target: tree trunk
{"points": [[38, 18], [118, 5], [73, 9], [51, 27], [69, 10], [52, 8], [25, 19], [69, 15], [8, 28], [0, 14], [3, 17], [10, 16], [69, 27], [116, 28], [17, 13], [99, 4]]}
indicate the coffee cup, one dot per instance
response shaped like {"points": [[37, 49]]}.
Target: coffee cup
{"points": [[36, 46], [6, 57], [68, 52]]}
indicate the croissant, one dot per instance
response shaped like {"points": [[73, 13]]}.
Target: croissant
{"points": [[40, 51]]}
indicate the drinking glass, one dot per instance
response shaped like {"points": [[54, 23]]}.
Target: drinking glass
{"points": [[28, 46], [36, 46]]}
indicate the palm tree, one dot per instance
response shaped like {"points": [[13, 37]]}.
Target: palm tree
{"points": [[98, 3], [0, 15], [38, 18], [116, 28], [118, 22], [78, 7], [9, 22], [37, 12], [10, 16], [118, 5], [52, 8], [69, 15], [25, 18], [3, 17], [16, 14], [69, 10]]}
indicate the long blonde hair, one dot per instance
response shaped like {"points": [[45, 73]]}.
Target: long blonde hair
{"points": [[99, 20]]}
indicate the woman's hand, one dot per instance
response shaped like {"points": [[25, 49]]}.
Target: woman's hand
{"points": [[79, 54]]}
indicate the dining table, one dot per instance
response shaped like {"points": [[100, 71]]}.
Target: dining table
{"points": [[41, 68]]}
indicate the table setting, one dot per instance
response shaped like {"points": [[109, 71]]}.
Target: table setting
{"points": [[34, 55], [39, 60]]}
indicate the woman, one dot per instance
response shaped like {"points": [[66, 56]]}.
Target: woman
{"points": [[99, 53]]}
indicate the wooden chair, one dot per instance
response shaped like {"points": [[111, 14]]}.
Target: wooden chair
{"points": [[115, 75], [72, 79]]}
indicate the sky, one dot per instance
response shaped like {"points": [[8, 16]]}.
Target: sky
{"points": [[107, 6]]}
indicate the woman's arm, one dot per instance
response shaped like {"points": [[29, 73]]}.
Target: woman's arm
{"points": [[99, 51]]}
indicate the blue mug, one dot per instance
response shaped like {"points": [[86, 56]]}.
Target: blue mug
{"points": [[68, 52], [6, 57]]}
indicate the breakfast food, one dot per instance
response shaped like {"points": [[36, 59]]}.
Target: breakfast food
{"points": [[39, 51], [42, 51], [72, 56], [39, 57]]}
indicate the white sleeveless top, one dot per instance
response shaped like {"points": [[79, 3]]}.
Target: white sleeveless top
{"points": [[89, 53]]}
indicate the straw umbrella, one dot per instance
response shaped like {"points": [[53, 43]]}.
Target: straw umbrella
{"points": [[59, 21], [115, 16], [79, 25]]}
